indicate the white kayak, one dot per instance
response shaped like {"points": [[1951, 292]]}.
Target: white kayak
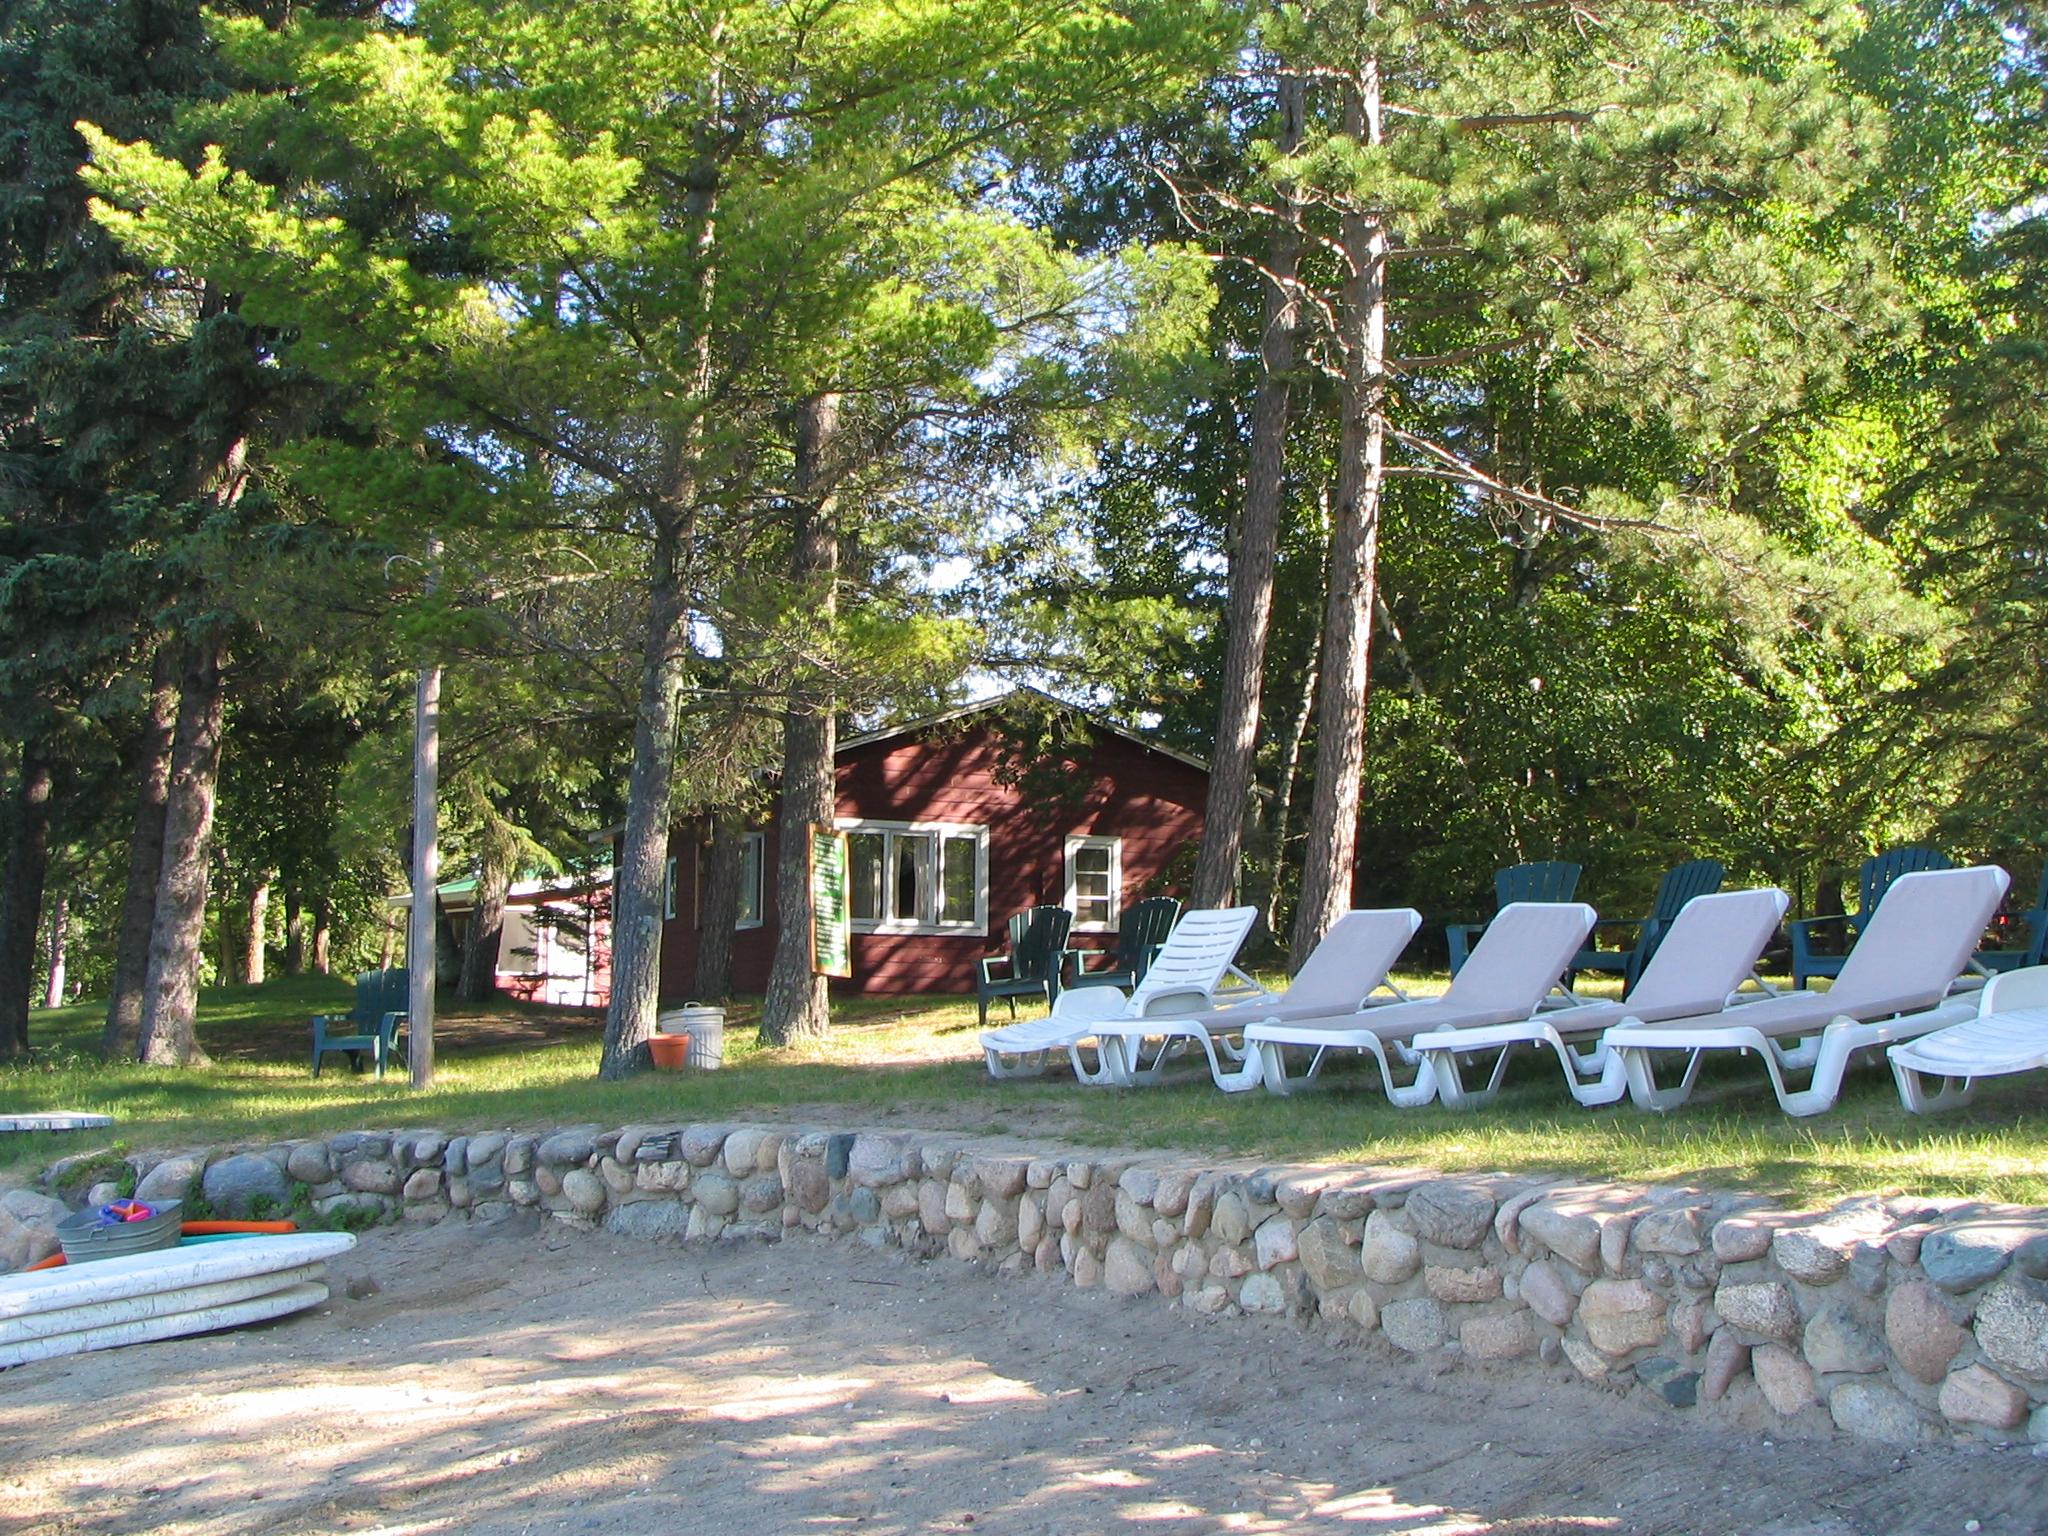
{"points": [[167, 1325], [166, 1269]]}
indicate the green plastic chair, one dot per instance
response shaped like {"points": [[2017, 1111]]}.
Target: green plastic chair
{"points": [[1038, 949], [370, 1028], [1549, 880], [1700, 877], [1138, 937], [1873, 880]]}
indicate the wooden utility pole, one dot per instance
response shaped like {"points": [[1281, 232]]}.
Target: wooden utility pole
{"points": [[426, 855]]}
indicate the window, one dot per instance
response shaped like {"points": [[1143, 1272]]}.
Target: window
{"points": [[913, 877], [865, 852], [522, 944], [668, 890], [751, 853], [753, 875], [1095, 882]]}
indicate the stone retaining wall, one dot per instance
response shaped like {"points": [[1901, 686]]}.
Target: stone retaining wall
{"points": [[1895, 1320]]}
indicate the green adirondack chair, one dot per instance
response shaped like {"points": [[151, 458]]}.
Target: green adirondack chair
{"points": [[1038, 949], [1873, 880], [1699, 877], [2032, 952], [1551, 880], [1138, 937], [370, 1028]]}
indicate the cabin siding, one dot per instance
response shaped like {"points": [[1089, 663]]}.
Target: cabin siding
{"points": [[964, 773]]}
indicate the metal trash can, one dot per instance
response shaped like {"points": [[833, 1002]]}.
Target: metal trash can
{"points": [[93, 1234], [705, 1026]]}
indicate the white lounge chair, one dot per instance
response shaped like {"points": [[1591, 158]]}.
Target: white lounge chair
{"points": [[1192, 971], [2009, 1034], [1339, 977], [1708, 953], [1892, 987], [1522, 953]]}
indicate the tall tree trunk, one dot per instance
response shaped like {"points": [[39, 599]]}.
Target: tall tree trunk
{"points": [[486, 923], [643, 846], [53, 991], [1331, 851], [388, 950], [423, 942], [798, 1003], [171, 991], [1250, 613], [21, 896], [294, 931], [1270, 860], [721, 908], [323, 928], [152, 770], [253, 955]]}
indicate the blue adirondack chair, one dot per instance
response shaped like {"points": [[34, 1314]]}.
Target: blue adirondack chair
{"points": [[1875, 878], [1551, 880], [1138, 937], [2032, 952], [1700, 877], [370, 1028], [1038, 949]]}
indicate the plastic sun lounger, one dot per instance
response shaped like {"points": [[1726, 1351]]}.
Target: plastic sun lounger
{"points": [[1894, 985], [1192, 967], [1707, 954], [2009, 1035], [1523, 952], [1347, 968]]}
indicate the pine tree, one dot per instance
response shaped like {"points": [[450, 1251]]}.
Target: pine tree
{"points": [[625, 246]]}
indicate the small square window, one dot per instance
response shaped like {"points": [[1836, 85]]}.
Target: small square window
{"points": [[1094, 882]]}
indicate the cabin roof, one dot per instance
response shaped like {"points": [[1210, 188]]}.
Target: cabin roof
{"points": [[983, 706]]}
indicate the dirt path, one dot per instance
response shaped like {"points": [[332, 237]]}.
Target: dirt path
{"points": [[523, 1380]]}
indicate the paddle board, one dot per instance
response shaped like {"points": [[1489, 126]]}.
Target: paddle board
{"points": [[166, 1269], [256, 1309], [99, 1314], [56, 1120]]}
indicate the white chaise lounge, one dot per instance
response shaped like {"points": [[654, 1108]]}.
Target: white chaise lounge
{"points": [[1709, 953], [1340, 976], [1192, 971], [2009, 1035], [1894, 985], [1518, 959]]}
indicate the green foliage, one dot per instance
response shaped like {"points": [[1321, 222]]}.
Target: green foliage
{"points": [[1754, 290], [1679, 298]]}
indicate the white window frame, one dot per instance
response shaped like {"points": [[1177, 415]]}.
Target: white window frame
{"points": [[758, 842], [1076, 841], [938, 831], [668, 890]]}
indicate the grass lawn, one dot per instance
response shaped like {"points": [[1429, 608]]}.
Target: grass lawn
{"points": [[915, 1063]]}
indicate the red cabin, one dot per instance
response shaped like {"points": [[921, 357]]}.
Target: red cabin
{"points": [[953, 824]]}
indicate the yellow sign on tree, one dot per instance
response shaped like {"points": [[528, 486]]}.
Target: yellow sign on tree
{"points": [[831, 907]]}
